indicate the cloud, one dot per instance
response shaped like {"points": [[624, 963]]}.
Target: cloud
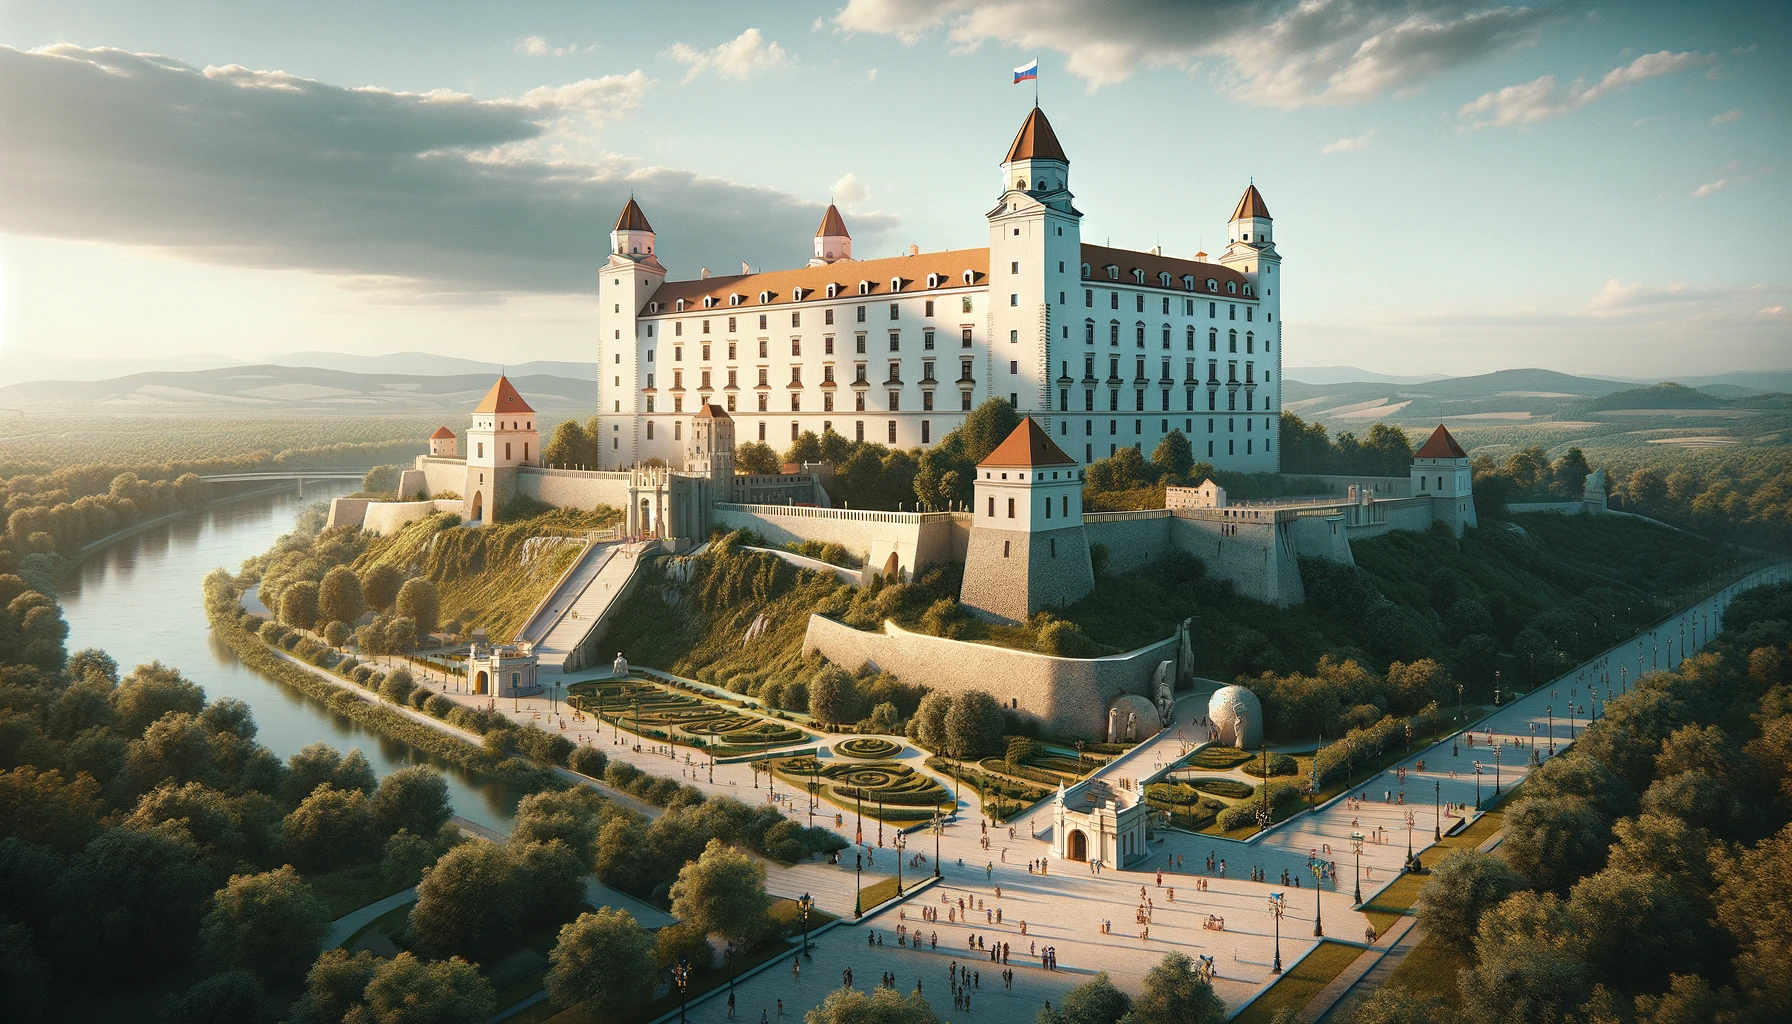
{"points": [[1617, 297], [1541, 99], [1776, 314], [537, 46], [1710, 188], [1350, 145], [1288, 53], [1733, 114], [427, 193], [850, 191], [739, 58]]}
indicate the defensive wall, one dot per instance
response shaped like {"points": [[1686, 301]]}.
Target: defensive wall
{"points": [[1066, 696], [912, 539], [388, 517], [1256, 549]]}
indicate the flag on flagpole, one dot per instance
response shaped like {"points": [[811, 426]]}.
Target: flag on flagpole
{"points": [[1027, 72]]}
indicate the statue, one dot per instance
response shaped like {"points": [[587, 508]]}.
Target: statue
{"points": [[619, 667], [1132, 726], [1185, 654], [1163, 690], [1113, 725]]}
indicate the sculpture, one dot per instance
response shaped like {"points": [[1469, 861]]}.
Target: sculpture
{"points": [[1163, 689], [619, 667], [1237, 716], [1185, 653]]}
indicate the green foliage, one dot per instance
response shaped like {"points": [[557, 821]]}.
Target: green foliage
{"points": [[415, 798], [879, 1006], [330, 827], [604, 961], [406, 990], [1095, 1001], [379, 586], [1462, 887], [419, 601], [1175, 994], [722, 893], [756, 457], [229, 997], [339, 597], [269, 924], [1306, 448]]}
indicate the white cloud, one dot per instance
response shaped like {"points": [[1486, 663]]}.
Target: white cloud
{"points": [[1541, 99], [432, 194], [739, 58], [850, 191], [1710, 188], [1733, 114], [1349, 145], [870, 76], [538, 46], [1287, 53], [1778, 314], [1617, 297]]}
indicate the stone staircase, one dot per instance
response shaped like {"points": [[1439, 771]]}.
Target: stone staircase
{"points": [[601, 574]]}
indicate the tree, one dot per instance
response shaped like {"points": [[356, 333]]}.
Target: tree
{"points": [[269, 924], [1176, 994], [1554, 841], [298, 605], [48, 809], [401, 636], [339, 596], [806, 448], [928, 725], [1752, 906], [379, 586], [1397, 1004], [550, 877], [572, 816], [467, 903], [604, 960], [1174, 457], [1462, 887], [406, 990], [755, 457], [22, 973], [570, 446], [205, 813], [1577, 776], [331, 827], [415, 798], [334, 986], [973, 725], [419, 602], [1095, 1001], [827, 694], [337, 633], [132, 899], [232, 997], [1388, 450], [397, 686], [150, 692], [723, 893], [1695, 798], [1632, 930], [879, 1006], [1527, 969], [1654, 844]]}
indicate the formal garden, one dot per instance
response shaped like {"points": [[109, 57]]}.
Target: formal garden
{"points": [[895, 792], [655, 710]]}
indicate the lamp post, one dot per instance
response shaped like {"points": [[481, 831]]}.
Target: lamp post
{"points": [[637, 703], [681, 973], [1496, 769], [1477, 785], [1453, 739], [1356, 845], [1318, 904], [1275, 910], [1496, 687], [554, 701], [901, 847], [1437, 825], [880, 818], [858, 798], [939, 825], [1571, 709], [858, 885], [1412, 862], [802, 904], [1549, 714]]}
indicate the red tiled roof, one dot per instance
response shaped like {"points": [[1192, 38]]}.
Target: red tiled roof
{"points": [[1440, 446], [831, 224], [1035, 140], [1099, 256], [632, 218], [1251, 204], [441, 434], [913, 271], [503, 398], [1029, 445], [712, 411]]}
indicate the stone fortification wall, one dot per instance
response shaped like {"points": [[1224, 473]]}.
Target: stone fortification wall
{"points": [[1388, 516], [1326, 537], [388, 517], [1132, 539], [443, 474], [1256, 554], [1382, 486], [1570, 508], [348, 511], [1009, 574], [1065, 695], [915, 539], [573, 488]]}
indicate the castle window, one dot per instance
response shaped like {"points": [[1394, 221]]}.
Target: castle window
{"points": [[796, 319], [895, 311], [730, 403], [1011, 508], [1166, 336], [706, 351], [762, 344], [827, 400], [895, 284], [927, 340], [764, 401], [1191, 339], [927, 430], [650, 427], [796, 403], [892, 429], [1250, 340], [1113, 272], [968, 278], [827, 315], [895, 341], [796, 295], [730, 328], [1088, 332], [827, 345], [1232, 341], [929, 309], [1139, 334], [796, 346], [964, 337], [992, 506], [861, 312], [706, 327], [864, 289], [965, 302], [1114, 332], [1113, 300], [1232, 287], [833, 290], [680, 305]]}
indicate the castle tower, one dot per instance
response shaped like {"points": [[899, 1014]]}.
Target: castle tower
{"points": [[1035, 263], [1027, 550], [711, 451], [442, 444], [501, 438], [624, 285], [1440, 471], [1251, 250], [832, 242]]}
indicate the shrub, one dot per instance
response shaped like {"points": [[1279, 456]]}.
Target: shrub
{"points": [[439, 706], [587, 761], [420, 698], [1279, 764]]}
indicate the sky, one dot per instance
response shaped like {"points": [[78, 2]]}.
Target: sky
{"points": [[1457, 187]]}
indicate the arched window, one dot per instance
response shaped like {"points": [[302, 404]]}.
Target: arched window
{"points": [[1163, 278], [1088, 332], [933, 280], [969, 277], [1231, 341], [833, 290], [1021, 184], [1166, 336], [1250, 341], [864, 287], [1212, 285], [1138, 331], [1213, 339], [1085, 270], [1191, 339], [1232, 287], [680, 305], [764, 297], [895, 284]]}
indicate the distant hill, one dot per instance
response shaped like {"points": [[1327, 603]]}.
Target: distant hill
{"points": [[274, 389], [1341, 374], [1668, 395]]}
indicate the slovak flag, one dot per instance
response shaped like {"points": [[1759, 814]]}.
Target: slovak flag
{"points": [[1027, 72]]}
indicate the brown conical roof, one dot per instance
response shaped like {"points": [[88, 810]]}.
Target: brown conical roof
{"points": [[1036, 140], [502, 398], [1028, 446], [1251, 204], [441, 434], [831, 224], [632, 218], [1440, 446]]}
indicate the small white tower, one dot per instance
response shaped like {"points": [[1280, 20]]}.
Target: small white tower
{"points": [[443, 445], [1440, 471], [1027, 549], [624, 285], [1251, 250], [832, 242], [501, 438], [711, 452]]}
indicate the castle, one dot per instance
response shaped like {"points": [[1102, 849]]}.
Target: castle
{"points": [[1104, 347]]}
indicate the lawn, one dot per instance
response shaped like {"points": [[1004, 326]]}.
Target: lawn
{"points": [[1301, 983], [348, 889], [1431, 967]]}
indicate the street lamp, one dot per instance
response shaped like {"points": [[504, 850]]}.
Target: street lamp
{"points": [[1477, 785], [858, 835], [858, 886], [554, 701], [1437, 826], [1496, 770], [901, 846], [681, 973], [1412, 862], [1318, 904], [1571, 695], [1275, 909], [1550, 714], [1356, 844], [1458, 735], [802, 904], [938, 825]]}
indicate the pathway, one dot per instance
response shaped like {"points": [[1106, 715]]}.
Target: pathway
{"points": [[344, 927], [581, 598]]}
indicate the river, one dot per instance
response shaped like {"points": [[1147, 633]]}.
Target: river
{"points": [[141, 600]]}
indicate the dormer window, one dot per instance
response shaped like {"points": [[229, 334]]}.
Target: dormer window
{"points": [[1232, 287], [1138, 276], [968, 277], [864, 287], [1247, 289], [895, 284], [681, 305], [1163, 278], [1188, 282], [1085, 271], [833, 290], [709, 301], [1212, 285], [736, 299], [653, 307], [933, 280], [1113, 272], [796, 295]]}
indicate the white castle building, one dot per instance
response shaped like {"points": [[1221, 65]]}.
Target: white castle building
{"points": [[1105, 347]]}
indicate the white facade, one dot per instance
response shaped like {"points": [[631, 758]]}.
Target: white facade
{"points": [[1105, 347], [1029, 500]]}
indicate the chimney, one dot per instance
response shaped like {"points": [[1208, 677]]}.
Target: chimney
{"points": [[914, 250], [1157, 250], [703, 275], [744, 269], [1200, 257]]}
